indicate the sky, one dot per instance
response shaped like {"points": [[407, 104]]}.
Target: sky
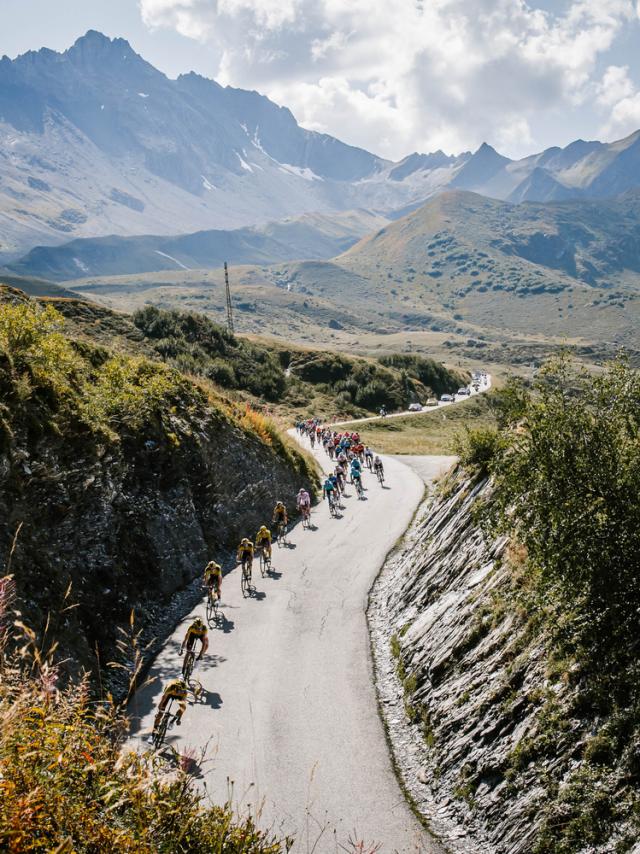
{"points": [[391, 76]]}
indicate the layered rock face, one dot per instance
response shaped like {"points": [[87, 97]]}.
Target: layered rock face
{"points": [[130, 523], [465, 689]]}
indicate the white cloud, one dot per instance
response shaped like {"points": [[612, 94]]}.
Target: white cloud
{"points": [[618, 95], [399, 75]]}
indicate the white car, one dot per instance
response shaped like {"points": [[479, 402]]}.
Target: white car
{"points": [[464, 392], [433, 401], [446, 398], [415, 407]]}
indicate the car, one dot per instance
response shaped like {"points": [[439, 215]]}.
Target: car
{"points": [[433, 401], [476, 386], [415, 407], [464, 392], [446, 398]]}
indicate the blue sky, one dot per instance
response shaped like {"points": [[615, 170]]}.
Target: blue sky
{"points": [[393, 76]]}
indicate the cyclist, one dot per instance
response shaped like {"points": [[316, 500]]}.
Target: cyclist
{"points": [[197, 631], [263, 541], [340, 475], [312, 438], [329, 490], [280, 514], [378, 467], [245, 552], [213, 577], [303, 502], [175, 690], [368, 457], [356, 473]]}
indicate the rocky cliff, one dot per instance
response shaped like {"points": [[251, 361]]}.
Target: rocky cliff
{"points": [[488, 732], [126, 505]]}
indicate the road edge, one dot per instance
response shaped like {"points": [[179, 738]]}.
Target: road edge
{"points": [[410, 800]]}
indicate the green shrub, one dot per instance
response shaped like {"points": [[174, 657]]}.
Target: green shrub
{"points": [[477, 449]]}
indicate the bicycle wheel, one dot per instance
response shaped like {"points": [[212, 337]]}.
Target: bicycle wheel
{"points": [[211, 608], [244, 583], [160, 731], [263, 564], [216, 610], [187, 664]]}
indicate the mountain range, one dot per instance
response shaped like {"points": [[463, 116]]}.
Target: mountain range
{"points": [[95, 141]]}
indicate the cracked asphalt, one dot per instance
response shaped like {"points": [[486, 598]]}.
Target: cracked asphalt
{"points": [[288, 713]]}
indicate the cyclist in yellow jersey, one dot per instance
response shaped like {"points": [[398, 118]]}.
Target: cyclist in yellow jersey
{"points": [[263, 541], [280, 514], [245, 552], [197, 631], [213, 577], [175, 690]]}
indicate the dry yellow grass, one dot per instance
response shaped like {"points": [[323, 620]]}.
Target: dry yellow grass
{"points": [[431, 432]]}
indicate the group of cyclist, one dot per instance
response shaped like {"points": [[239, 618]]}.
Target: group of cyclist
{"points": [[177, 689], [351, 456]]}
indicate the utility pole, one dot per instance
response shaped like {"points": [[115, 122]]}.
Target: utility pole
{"points": [[229, 306]]}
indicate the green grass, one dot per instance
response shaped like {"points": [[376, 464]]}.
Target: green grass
{"points": [[431, 432]]}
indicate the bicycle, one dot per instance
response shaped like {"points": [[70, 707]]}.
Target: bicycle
{"points": [[188, 664], [245, 579], [281, 537], [359, 487], [333, 509], [369, 463], [160, 731], [306, 516], [265, 562], [380, 476], [213, 607]]}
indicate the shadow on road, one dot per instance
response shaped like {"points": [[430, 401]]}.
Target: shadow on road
{"points": [[211, 699], [275, 575]]}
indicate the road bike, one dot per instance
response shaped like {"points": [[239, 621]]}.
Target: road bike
{"points": [[359, 487], [160, 731], [306, 516], [245, 578], [265, 562], [380, 476], [188, 664], [213, 607], [369, 462], [333, 505], [281, 536]]}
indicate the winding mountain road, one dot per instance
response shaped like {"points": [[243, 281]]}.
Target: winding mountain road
{"points": [[289, 711]]}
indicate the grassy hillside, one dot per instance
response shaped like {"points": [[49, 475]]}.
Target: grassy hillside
{"points": [[474, 277], [283, 380], [119, 475], [432, 432]]}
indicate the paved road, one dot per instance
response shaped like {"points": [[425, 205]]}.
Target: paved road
{"points": [[458, 399], [289, 709]]}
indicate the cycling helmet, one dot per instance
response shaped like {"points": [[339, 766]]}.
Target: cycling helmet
{"points": [[279, 504], [198, 621], [264, 528], [246, 541]]}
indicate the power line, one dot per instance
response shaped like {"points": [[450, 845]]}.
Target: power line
{"points": [[229, 306]]}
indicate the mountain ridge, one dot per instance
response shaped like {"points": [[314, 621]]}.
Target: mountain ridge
{"points": [[96, 141]]}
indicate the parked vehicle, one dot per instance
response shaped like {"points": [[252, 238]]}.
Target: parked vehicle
{"points": [[433, 401], [446, 398], [415, 407], [464, 392]]}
